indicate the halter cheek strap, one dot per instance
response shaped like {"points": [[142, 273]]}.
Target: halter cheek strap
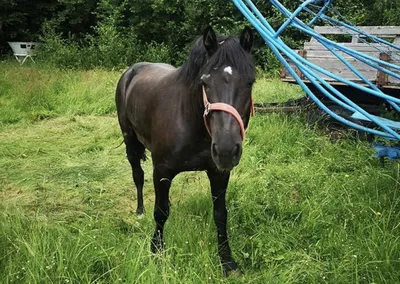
{"points": [[226, 108]]}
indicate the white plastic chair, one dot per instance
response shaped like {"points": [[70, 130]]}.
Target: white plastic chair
{"points": [[23, 50]]}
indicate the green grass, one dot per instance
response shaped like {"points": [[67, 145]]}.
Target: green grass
{"points": [[301, 208]]}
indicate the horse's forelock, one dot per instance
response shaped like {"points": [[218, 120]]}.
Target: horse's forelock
{"points": [[231, 53]]}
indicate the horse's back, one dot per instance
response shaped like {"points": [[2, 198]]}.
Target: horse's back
{"points": [[139, 92], [147, 82], [149, 69]]}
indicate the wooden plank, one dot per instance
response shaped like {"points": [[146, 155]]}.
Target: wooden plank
{"points": [[338, 68], [329, 54], [335, 83], [335, 63], [341, 70], [382, 31], [355, 39], [345, 73], [393, 81], [321, 56], [361, 47], [348, 75]]}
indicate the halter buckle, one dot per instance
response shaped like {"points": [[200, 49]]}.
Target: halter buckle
{"points": [[207, 109]]}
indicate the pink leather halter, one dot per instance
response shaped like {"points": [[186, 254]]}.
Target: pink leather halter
{"points": [[226, 108]]}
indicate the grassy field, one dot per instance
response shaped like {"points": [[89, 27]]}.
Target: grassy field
{"points": [[301, 208]]}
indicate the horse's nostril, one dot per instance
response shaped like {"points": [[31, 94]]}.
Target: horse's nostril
{"points": [[215, 149], [235, 150]]}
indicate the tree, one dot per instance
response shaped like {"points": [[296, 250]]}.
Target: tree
{"points": [[152, 27], [22, 20]]}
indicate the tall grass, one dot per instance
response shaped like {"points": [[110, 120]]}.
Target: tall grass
{"points": [[301, 208], [32, 94]]}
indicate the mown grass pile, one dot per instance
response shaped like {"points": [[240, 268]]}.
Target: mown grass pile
{"points": [[301, 208]]}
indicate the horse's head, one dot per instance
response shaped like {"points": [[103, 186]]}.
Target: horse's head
{"points": [[227, 79]]}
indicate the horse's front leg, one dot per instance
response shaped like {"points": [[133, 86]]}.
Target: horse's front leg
{"points": [[219, 183], [162, 182]]}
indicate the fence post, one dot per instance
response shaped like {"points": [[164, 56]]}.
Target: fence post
{"points": [[382, 78]]}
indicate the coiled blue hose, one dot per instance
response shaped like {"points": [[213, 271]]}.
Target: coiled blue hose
{"points": [[387, 128]]}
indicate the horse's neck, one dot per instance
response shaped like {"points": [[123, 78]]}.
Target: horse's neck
{"points": [[191, 97], [192, 104]]}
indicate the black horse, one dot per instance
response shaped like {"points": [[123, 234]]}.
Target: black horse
{"points": [[190, 118]]}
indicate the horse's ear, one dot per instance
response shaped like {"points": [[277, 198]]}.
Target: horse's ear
{"points": [[246, 39], [210, 41]]}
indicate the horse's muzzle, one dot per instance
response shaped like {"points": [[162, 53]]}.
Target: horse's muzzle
{"points": [[226, 156]]}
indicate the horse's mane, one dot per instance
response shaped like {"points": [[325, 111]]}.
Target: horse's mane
{"points": [[230, 52]]}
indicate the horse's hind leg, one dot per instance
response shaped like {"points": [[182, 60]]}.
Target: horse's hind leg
{"points": [[135, 152]]}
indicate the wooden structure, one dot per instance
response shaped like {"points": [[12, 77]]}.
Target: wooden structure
{"points": [[319, 55]]}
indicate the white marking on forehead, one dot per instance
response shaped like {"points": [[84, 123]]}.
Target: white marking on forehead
{"points": [[228, 70], [205, 76]]}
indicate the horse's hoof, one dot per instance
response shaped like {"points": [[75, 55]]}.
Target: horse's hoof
{"points": [[231, 269], [234, 273], [156, 245], [140, 212]]}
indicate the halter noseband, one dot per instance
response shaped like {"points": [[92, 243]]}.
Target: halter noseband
{"points": [[208, 107]]}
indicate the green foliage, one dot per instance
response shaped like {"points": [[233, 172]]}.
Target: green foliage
{"points": [[370, 13], [58, 51], [109, 47], [116, 33], [21, 20]]}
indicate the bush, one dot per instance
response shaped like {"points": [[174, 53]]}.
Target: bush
{"points": [[58, 51], [112, 34]]}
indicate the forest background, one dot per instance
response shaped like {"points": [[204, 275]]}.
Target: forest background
{"points": [[113, 34]]}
